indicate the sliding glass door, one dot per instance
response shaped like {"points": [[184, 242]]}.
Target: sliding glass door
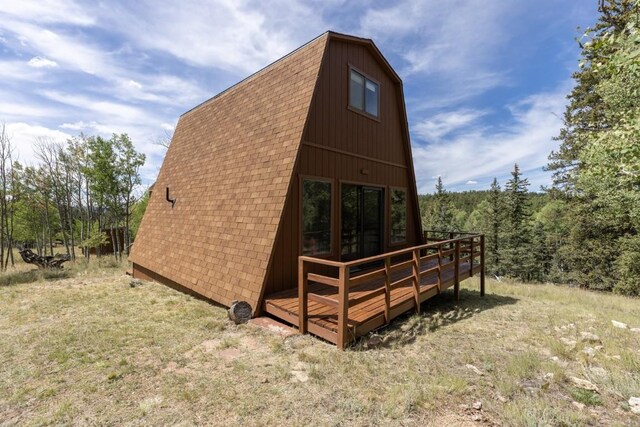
{"points": [[362, 216]]}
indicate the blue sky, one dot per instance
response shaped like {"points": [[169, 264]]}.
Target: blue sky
{"points": [[485, 80]]}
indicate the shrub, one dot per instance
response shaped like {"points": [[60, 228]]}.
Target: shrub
{"points": [[628, 266]]}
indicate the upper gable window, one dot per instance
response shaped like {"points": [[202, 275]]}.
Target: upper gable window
{"points": [[364, 94]]}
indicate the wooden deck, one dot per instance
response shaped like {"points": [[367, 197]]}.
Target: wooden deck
{"points": [[340, 309]]}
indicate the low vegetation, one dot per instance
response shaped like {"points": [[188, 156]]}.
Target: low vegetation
{"points": [[95, 347]]}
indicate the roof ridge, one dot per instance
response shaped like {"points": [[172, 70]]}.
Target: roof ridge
{"points": [[260, 71]]}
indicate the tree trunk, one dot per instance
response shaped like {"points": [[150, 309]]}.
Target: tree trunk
{"points": [[6, 262], [63, 227], [89, 203], [44, 241], [113, 242], [239, 312], [70, 218], [73, 240], [36, 233], [127, 224], [100, 227], [118, 242], [48, 222]]}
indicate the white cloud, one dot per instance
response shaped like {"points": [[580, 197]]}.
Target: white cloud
{"points": [[42, 62], [17, 107], [471, 182], [77, 126], [23, 135], [91, 127], [134, 84], [71, 53], [434, 128], [226, 34], [48, 11], [453, 89], [107, 109], [68, 51], [526, 139], [162, 89], [16, 71], [456, 41]]}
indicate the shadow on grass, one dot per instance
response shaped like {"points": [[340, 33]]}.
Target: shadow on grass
{"points": [[435, 313], [30, 276]]}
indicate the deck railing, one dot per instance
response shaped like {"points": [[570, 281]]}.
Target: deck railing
{"points": [[451, 253]]}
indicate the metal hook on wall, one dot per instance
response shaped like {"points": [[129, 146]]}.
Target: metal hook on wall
{"points": [[170, 200]]}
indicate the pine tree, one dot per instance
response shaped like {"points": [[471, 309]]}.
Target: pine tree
{"points": [[516, 248], [441, 213], [585, 113], [540, 253], [496, 217], [594, 167]]}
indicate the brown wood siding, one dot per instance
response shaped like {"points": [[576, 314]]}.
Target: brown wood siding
{"points": [[339, 143], [331, 124]]}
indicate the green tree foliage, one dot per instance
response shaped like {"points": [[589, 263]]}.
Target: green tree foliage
{"points": [[585, 113], [129, 164], [628, 266], [540, 254], [113, 173], [439, 212], [137, 212], [479, 211], [495, 215], [515, 253], [553, 221], [585, 229], [597, 168], [78, 190]]}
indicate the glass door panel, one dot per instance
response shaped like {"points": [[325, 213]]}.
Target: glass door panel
{"points": [[371, 221], [362, 221], [350, 214]]}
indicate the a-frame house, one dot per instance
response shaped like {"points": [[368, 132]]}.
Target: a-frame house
{"points": [[294, 191]]}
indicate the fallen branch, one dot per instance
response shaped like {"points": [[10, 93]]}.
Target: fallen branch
{"points": [[43, 262]]}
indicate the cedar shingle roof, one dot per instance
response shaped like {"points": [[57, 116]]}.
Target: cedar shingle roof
{"points": [[229, 166]]}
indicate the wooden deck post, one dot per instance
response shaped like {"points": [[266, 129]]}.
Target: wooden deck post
{"points": [[451, 246], [456, 283], [343, 306], [471, 255], [416, 278], [303, 289], [387, 290], [439, 268], [482, 265]]}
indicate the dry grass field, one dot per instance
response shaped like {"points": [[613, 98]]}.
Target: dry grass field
{"points": [[84, 347]]}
